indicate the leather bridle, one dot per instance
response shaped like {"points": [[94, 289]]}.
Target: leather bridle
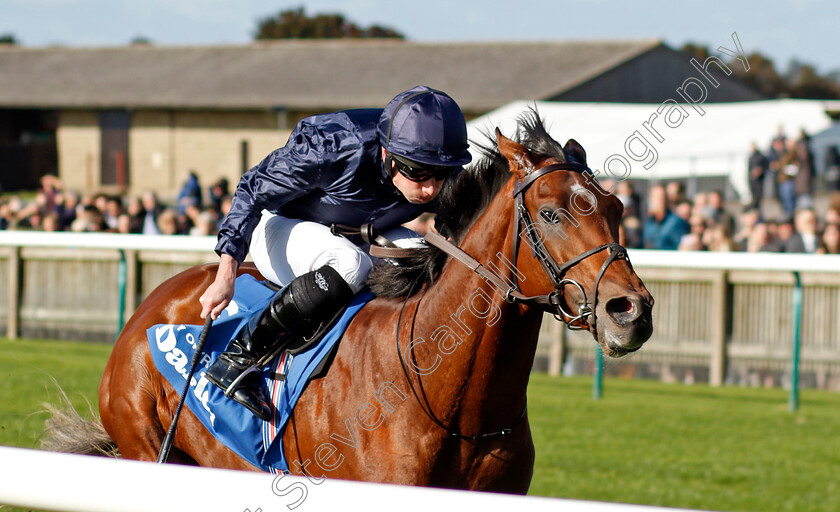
{"points": [[551, 302], [523, 226]]}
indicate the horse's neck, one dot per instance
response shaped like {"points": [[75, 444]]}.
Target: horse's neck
{"points": [[482, 382]]}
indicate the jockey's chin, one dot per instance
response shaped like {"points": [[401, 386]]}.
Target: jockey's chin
{"points": [[417, 192]]}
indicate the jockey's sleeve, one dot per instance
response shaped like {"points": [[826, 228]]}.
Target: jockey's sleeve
{"points": [[287, 173]]}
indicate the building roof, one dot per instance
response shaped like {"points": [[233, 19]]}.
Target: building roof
{"points": [[301, 75]]}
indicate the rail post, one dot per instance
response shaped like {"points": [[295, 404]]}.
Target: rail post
{"points": [[720, 321], [598, 374], [793, 399], [557, 352], [13, 290], [121, 291]]}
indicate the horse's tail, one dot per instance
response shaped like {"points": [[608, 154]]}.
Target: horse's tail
{"points": [[67, 431]]}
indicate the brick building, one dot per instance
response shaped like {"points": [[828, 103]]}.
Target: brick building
{"points": [[138, 117]]}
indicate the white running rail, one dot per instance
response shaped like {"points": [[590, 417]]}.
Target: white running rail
{"points": [[78, 483]]}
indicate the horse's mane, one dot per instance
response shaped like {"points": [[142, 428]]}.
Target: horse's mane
{"points": [[460, 202]]}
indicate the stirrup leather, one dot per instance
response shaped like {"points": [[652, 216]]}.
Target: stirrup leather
{"points": [[256, 367]]}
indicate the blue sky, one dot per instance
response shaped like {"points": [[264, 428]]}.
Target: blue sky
{"points": [[782, 29]]}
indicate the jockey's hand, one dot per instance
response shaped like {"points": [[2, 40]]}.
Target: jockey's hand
{"points": [[218, 295]]}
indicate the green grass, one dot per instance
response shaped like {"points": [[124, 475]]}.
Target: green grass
{"points": [[29, 370], [685, 446], [728, 449]]}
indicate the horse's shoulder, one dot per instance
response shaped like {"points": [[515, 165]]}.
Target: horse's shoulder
{"points": [[372, 315], [248, 268], [207, 271]]}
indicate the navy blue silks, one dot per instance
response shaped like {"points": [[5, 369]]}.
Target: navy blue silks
{"points": [[331, 170]]}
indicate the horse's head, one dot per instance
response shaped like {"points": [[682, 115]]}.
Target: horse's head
{"points": [[567, 227]]}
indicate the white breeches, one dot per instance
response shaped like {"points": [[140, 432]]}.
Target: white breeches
{"points": [[284, 248]]}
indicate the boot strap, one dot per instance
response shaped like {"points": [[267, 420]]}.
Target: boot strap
{"points": [[237, 362], [237, 382], [253, 367]]}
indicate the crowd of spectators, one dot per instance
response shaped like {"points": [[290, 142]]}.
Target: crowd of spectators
{"points": [[56, 209], [783, 177], [674, 222], [668, 220], [788, 166]]}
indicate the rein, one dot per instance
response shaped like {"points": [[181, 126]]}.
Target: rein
{"points": [[427, 409], [381, 247]]}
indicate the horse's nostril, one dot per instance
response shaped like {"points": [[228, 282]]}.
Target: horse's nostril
{"points": [[620, 305], [623, 309]]}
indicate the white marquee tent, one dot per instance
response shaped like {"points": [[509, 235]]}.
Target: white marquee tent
{"points": [[714, 143]]}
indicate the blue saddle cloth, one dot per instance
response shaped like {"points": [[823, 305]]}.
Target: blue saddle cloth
{"points": [[259, 442]]}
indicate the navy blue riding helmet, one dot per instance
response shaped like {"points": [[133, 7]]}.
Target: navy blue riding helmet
{"points": [[424, 131]]}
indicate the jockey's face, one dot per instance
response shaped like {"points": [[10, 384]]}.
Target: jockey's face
{"points": [[417, 192]]}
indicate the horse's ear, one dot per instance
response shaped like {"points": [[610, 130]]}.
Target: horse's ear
{"points": [[517, 156], [574, 150]]}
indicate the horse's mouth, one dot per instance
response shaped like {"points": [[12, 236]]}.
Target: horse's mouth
{"points": [[620, 344], [619, 351], [618, 341]]}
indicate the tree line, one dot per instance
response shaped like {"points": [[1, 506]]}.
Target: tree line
{"points": [[296, 24], [800, 80]]}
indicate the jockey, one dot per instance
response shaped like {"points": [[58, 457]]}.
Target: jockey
{"points": [[378, 166]]}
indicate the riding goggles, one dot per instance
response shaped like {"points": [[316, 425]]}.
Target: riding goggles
{"points": [[415, 171]]}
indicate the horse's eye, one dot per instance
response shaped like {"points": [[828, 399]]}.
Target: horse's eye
{"points": [[548, 216]]}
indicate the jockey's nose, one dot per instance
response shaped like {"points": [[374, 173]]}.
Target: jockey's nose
{"points": [[429, 187]]}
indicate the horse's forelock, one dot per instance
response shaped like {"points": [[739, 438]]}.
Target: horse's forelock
{"points": [[533, 134]]}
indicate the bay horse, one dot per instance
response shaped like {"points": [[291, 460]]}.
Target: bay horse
{"points": [[428, 386]]}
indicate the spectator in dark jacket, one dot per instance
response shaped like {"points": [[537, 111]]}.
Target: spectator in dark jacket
{"points": [[758, 167], [805, 238], [67, 210], [190, 193], [215, 193], [832, 168], [802, 182]]}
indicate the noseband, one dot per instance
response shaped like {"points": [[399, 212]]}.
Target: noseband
{"points": [[553, 301]]}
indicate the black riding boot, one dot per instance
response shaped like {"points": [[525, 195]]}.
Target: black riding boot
{"points": [[300, 306]]}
